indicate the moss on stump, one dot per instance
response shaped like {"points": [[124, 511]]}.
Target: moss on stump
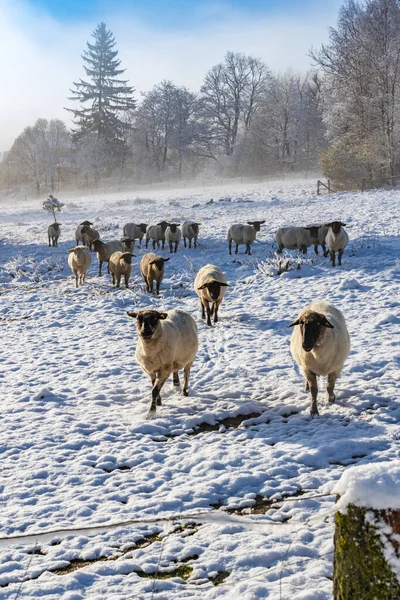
{"points": [[360, 570]]}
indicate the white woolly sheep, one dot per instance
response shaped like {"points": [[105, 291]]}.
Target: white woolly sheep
{"points": [[157, 234], [104, 251], [53, 233], [173, 236], [135, 231], [320, 344], [210, 286], [167, 343], [296, 238], [190, 231], [152, 269], [120, 266], [79, 259], [336, 239], [243, 234]]}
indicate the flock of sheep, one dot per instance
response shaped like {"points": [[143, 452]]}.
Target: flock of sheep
{"points": [[168, 342]]}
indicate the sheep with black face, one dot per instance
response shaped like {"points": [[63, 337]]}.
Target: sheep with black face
{"points": [[210, 286], [157, 234], [135, 231], [53, 233], [190, 231], [320, 344], [173, 236], [336, 239], [167, 343], [243, 234], [152, 270]]}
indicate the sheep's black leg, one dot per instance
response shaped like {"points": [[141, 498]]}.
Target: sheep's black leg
{"points": [[248, 249], [216, 307], [184, 242], [208, 313], [190, 243], [158, 283], [326, 252], [175, 378], [176, 246], [340, 254], [237, 248], [316, 248], [330, 386], [333, 258], [100, 265], [311, 379], [154, 244], [230, 246], [203, 311], [170, 247], [126, 281]]}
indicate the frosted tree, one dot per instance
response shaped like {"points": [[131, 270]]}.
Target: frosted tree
{"points": [[104, 97], [52, 205], [362, 90], [231, 94]]}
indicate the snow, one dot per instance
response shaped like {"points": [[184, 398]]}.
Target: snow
{"points": [[77, 450], [375, 486]]}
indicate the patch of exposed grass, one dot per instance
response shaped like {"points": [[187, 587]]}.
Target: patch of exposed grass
{"points": [[183, 571], [219, 577]]}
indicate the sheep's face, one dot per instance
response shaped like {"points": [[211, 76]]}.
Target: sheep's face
{"points": [[79, 251], [313, 231], [143, 227], [256, 224], [163, 225], [173, 227], [195, 228], [336, 226], [214, 288], [159, 262], [148, 323], [311, 327], [97, 245]]}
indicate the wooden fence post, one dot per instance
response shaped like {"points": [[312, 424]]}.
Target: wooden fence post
{"points": [[318, 182], [367, 533]]}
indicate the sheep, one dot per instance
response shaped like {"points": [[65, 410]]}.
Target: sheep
{"points": [[336, 239], [135, 231], [120, 265], [53, 233], [190, 231], [127, 244], [167, 342], [296, 238], [104, 251], [243, 234], [157, 234], [85, 234], [152, 269], [210, 286], [173, 235], [79, 260], [320, 344]]}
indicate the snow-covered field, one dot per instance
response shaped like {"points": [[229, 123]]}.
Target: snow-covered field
{"points": [[76, 449]]}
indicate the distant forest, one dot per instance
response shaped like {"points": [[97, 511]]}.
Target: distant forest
{"points": [[343, 117]]}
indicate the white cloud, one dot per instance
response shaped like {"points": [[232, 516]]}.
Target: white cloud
{"points": [[40, 57]]}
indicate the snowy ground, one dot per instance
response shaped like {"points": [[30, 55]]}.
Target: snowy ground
{"points": [[75, 446]]}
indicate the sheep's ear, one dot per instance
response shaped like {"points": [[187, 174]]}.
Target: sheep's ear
{"points": [[251, 222], [326, 323], [261, 222], [223, 284], [327, 225], [343, 224], [72, 250], [132, 314], [202, 287], [165, 259], [163, 316], [296, 322]]}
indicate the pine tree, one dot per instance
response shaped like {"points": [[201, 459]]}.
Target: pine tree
{"points": [[109, 97]]}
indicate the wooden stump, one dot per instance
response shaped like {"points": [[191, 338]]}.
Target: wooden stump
{"points": [[361, 570]]}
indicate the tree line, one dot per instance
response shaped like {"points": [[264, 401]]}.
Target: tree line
{"points": [[244, 120]]}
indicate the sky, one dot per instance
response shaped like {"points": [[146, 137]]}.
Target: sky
{"points": [[41, 43]]}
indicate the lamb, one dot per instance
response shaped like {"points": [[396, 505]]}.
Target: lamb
{"points": [[336, 239], [79, 260], [104, 251], [152, 269], [157, 234], [296, 238], [190, 231], [210, 286], [320, 344], [167, 342], [243, 234], [53, 233], [85, 234], [120, 265], [173, 235], [135, 231]]}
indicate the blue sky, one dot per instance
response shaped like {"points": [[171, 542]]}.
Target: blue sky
{"points": [[170, 13], [179, 40]]}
